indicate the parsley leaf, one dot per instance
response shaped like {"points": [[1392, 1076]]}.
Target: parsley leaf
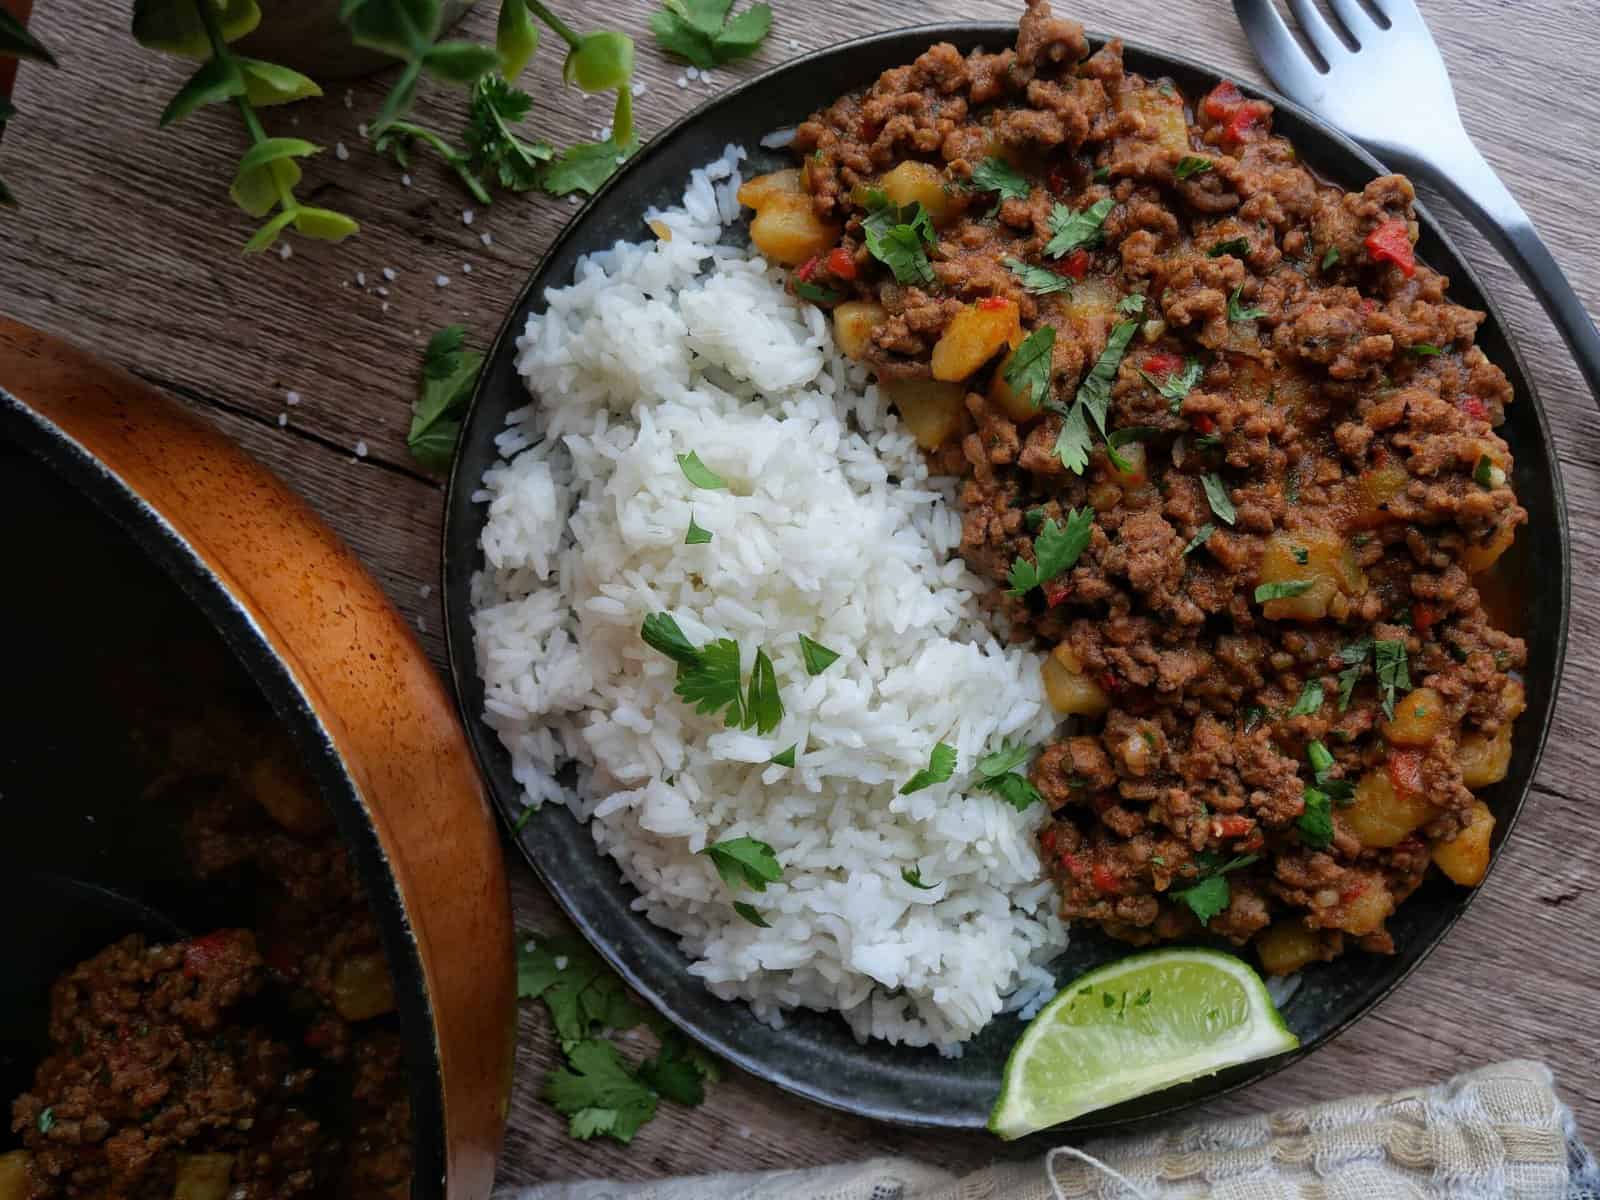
{"points": [[1008, 758], [1177, 384], [1131, 305], [1356, 652], [496, 107], [818, 658], [1094, 393], [816, 293], [1424, 350], [1200, 538], [584, 997], [1321, 761], [1310, 700], [1206, 898], [697, 473], [1315, 822], [1073, 442], [745, 862], [1056, 548], [699, 30], [584, 166], [1330, 257], [1069, 230], [1282, 590], [1121, 437], [696, 536], [1041, 281], [913, 876], [449, 373], [661, 633], [1016, 790], [1217, 496], [1191, 165], [1238, 247], [1394, 675], [1236, 309], [997, 175], [763, 709], [784, 758], [712, 684], [750, 913], [1029, 370], [895, 236], [679, 1070], [941, 765], [598, 1094]]}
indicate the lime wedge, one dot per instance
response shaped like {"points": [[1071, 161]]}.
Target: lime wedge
{"points": [[1134, 1027]]}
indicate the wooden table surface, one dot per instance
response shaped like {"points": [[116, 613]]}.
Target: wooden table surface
{"points": [[127, 244]]}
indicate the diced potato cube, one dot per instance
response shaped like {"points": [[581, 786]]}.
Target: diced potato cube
{"points": [[1376, 488], [930, 409], [1366, 911], [787, 230], [1287, 946], [1516, 699], [1163, 114], [974, 335], [1016, 406], [15, 1181], [362, 988], [203, 1177], [1484, 759], [1330, 565], [1068, 688], [1480, 556], [288, 796], [1418, 719], [1093, 301], [1379, 816], [922, 183], [1136, 476], [754, 193], [1465, 857], [853, 323]]}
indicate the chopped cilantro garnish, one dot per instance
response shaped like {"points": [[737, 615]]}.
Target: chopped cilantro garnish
{"points": [[1200, 538], [895, 236], [913, 876], [1073, 442], [697, 473], [1041, 281], [1121, 437], [1238, 247], [1029, 371], [941, 765], [661, 633], [1484, 474], [1008, 758], [817, 657], [1253, 716], [763, 708], [1131, 305], [745, 862], [1330, 257], [1217, 496], [1101, 174], [45, 1121], [997, 773], [1310, 700], [1424, 350], [816, 293], [997, 175], [712, 684], [1315, 822], [1033, 518], [1191, 165], [1394, 675], [1177, 384], [1282, 590], [1069, 230], [784, 758], [1210, 896], [1094, 394], [708, 677], [696, 536], [750, 913], [1236, 309], [1301, 554], [1056, 548]]}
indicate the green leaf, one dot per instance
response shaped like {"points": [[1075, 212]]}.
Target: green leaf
{"points": [[496, 107], [1217, 496], [661, 633], [816, 293], [895, 236], [1238, 247], [699, 30], [324, 224], [784, 758], [700, 475], [744, 34], [1315, 822], [1094, 393], [1056, 548], [46, 1120], [763, 709], [1331, 257], [258, 191], [1121, 437], [1191, 165], [745, 862], [1356, 652], [1236, 309], [217, 80], [1014, 789], [1008, 758], [516, 37], [267, 235], [941, 765], [1483, 472], [17, 42], [273, 149], [1073, 442], [913, 876], [600, 62], [1069, 230], [997, 175], [1028, 373], [712, 684], [696, 536], [597, 1092], [1394, 674], [1310, 700], [1424, 350], [817, 657], [1178, 384], [449, 374], [175, 26], [460, 62], [750, 913], [1200, 538], [678, 1071], [1283, 589], [267, 83], [677, 36], [400, 28], [1131, 305], [584, 166], [1206, 898]]}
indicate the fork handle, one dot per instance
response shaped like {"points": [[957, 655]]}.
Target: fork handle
{"points": [[1470, 183]]}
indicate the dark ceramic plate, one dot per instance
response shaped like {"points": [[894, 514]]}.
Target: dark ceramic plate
{"points": [[815, 1055]]}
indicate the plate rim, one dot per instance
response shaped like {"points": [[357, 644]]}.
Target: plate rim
{"points": [[457, 624]]}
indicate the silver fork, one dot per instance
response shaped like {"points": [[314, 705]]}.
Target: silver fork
{"points": [[1393, 95]]}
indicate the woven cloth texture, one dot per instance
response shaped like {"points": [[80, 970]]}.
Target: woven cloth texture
{"points": [[1496, 1133]]}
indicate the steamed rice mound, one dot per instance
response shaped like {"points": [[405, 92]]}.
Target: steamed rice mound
{"points": [[830, 527]]}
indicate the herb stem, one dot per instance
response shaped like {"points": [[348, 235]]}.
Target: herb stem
{"points": [[456, 159], [247, 112], [550, 19]]}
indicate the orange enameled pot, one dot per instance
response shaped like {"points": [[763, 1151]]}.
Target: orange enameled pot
{"points": [[363, 703]]}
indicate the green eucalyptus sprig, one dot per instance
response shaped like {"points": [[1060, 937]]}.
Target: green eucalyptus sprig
{"points": [[268, 172], [17, 42]]}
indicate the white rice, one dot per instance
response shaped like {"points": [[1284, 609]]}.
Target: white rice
{"points": [[831, 528]]}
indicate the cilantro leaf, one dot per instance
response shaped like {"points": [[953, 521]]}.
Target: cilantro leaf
{"points": [[913, 876], [697, 473], [941, 765], [1073, 442], [1331, 257], [816, 293], [1356, 652], [1424, 350], [1131, 305], [1200, 538], [679, 1071], [584, 996], [1121, 437], [763, 710], [750, 913], [699, 30], [1029, 369], [1177, 384], [584, 166], [997, 175], [1321, 761], [1056, 548], [696, 536], [1190, 165], [449, 373], [1094, 393], [1236, 309], [1483, 473], [1282, 590], [1310, 700], [745, 862], [1315, 822], [1206, 898], [496, 107], [661, 632], [817, 657], [1238, 247], [1348, 678], [1217, 495], [1041, 281], [1394, 675], [712, 683], [599, 1095], [1008, 758], [1069, 230], [895, 236], [784, 758], [1016, 790]]}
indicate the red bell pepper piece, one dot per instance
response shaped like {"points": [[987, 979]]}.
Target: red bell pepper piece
{"points": [[1405, 770], [1423, 616], [1391, 242], [808, 268], [841, 264], [1204, 424], [990, 303], [1221, 100], [1104, 880], [1076, 264], [1473, 407], [1055, 591], [1162, 364]]}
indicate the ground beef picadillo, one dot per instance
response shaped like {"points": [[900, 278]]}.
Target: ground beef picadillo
{"points": [[1273, 642]]}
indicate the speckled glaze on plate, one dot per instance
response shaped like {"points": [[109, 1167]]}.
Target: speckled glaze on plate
{"points": [[815, 1055]]}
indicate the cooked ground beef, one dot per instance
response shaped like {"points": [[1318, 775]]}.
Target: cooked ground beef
{"points": [[1278, 439]]}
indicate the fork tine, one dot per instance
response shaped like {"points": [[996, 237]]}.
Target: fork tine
{"points": [[1357, 23], [1291, 69], [1318, 32], [1402, 14]]}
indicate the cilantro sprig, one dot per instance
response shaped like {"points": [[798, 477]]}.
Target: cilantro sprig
{"points": [[709, 677], [1315, 823], [1056, 548], [745, 862], [1394, 674], [897, 236], [941, 766], [1211, 895], [1069, 229], [1040, 281], [449, 373], [997, 772], [1028, 373], [997, 175], [702, 32], [1238, 311], [1217, 496], [1177, 384], [1074, 442]]}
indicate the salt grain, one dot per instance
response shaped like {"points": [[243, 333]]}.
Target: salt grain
{"points": [[362, 129], [340, 152], [405, 181], [385, 306], [285, 250], [573, 199], [291, 398], [422, 623], [361, 279], [486, 239], [466, 216], [425, 590], [638, 89], [681, 82], [441, 281], [349, 98], [283, 420], [361, 449], [466, 268], [692, 72], [388, 273], [383, 291]]}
